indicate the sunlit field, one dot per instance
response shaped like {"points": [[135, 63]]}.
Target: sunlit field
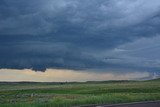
{"points": [[74, 94]]}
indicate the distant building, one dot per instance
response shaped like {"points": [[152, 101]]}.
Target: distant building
{"points": [[156, 75]]}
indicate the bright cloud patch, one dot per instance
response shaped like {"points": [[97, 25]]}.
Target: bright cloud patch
{"points": [[55, 75]]}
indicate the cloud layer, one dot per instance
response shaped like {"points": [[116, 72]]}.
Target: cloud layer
{"points": [[102, 35]]}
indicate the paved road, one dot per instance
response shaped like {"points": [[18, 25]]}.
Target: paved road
{"points": [[143, 104]]}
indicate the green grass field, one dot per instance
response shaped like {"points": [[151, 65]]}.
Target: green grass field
{"points": [[73, 94]]}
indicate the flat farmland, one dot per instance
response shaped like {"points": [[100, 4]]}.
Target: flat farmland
{"points": [[32, 94]]}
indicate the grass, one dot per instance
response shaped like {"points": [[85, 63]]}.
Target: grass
{"points": [[74, 94]]}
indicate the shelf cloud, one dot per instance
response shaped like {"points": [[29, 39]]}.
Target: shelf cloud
{"points": [[97, 35]]}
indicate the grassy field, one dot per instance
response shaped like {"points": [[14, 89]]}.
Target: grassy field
{"points": [[72, 94]]}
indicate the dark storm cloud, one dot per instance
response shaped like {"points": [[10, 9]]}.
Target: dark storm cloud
{"points": [[78, 34]]}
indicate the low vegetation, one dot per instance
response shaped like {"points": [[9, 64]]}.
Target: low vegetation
{"points": [[27, 94]]}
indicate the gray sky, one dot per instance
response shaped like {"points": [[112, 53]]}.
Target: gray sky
{"points": [[95, 36]]}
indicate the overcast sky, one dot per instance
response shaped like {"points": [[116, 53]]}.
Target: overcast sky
{"points": [[98, 36]]}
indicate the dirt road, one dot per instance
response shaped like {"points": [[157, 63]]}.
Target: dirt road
{"points": [[141, 104]]}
